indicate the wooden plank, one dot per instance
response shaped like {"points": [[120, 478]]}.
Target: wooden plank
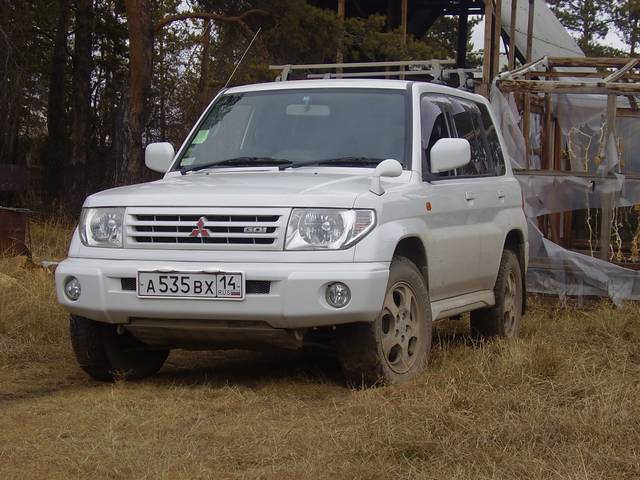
{"points": [[615, 76], [547, 134], [573, 74], [495, 47], [530, 30], [512, 34], [548, 86], [588, 61], [628, 112], [608, 200], [403, 27], [486, 58], [339, 52], [548, 160], [523, 70], [463, 30], [403, 21], [526, 129], [558, 164]]}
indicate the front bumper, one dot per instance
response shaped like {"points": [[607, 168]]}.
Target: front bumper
{"points": [[296, 297]]}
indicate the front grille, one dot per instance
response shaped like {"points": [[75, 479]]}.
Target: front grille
{"points": [[206, 228], [254, 287]]}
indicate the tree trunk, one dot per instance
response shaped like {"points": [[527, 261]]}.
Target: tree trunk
{"points": [[81, 103], [140, 27], [56, 147], [11, 79]]}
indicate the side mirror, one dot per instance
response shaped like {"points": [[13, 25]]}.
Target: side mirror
{"points": [[386, 168], [449, 154], [158, 156]]}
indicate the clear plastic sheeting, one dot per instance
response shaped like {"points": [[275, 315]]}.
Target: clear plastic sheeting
{"points": [[546, 194], [569, 204], [561, 272], [504, 108]]}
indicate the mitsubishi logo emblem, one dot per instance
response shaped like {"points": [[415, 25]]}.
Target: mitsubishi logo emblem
{"points": [[200, 231]]}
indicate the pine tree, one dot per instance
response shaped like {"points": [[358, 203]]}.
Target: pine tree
{"points": [[626, 20], [588, 20]]}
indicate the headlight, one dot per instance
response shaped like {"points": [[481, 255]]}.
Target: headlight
{"points": [[327, 228], [101, 227]]}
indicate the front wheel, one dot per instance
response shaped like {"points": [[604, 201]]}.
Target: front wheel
{"points": [[105, 354], [396, 346], [502, 320]]}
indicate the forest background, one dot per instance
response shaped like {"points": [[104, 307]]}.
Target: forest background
{"points": [[85, 85]]}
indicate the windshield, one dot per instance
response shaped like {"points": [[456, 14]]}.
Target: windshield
{"points": [[301, 126]]}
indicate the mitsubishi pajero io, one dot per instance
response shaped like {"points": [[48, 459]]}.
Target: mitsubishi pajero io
{"points": [[356, 212]]}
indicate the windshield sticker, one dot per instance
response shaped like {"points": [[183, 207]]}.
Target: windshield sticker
{"points": [[201, 137]]}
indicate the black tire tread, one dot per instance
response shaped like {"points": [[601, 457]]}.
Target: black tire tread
{"points": [[105, 355], [88, 347], [358, 346], [488, 322]]}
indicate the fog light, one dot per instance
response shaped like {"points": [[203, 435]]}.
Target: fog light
{"points": [[72, 288], [338, 294]]}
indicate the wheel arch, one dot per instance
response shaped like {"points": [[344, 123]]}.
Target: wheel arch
{"points": [[412, 248]]}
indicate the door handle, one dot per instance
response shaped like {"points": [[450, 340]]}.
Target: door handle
{"points": [[469, 196], [501, 194]]}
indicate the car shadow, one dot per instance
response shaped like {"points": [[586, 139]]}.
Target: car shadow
{"points": [[249, 368], [257, 368], [449, 333]]}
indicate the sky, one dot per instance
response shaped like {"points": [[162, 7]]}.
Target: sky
{"points": [[612, 39]]}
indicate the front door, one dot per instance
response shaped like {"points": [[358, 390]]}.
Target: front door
{"points": [[461, 227]]}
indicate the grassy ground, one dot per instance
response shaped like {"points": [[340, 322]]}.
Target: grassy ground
{"points": [[561, 402]]}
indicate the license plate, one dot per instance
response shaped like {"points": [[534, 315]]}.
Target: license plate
{"points": [[220, 286]]}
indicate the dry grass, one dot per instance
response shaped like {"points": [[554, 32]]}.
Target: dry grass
{"points": [[561, 402]]}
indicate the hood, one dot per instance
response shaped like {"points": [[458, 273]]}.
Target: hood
{"points": [[308, 187]]}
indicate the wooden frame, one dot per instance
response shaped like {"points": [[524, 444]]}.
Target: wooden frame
{"points": [[536, 82]]}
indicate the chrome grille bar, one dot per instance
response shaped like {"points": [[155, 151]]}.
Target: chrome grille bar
{"points": [[206, 228]]}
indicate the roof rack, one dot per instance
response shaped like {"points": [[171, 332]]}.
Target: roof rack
{"points": [[436, 69]]}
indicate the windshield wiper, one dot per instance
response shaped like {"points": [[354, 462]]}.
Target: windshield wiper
{"points": [[341, 161], [238, 162]]}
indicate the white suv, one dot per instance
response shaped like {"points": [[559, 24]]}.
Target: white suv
{"points": [[354, 212]]}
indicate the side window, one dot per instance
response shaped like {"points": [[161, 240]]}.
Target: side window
{"points": [[434, 127], [468, 124], [495, 149], [444, 116]]}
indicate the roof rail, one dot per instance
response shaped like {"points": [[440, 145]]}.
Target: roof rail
{"points": [[439, 70]]}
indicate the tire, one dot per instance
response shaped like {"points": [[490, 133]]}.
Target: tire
{"points": [[502, 320], [380, 352], [107, 355]]}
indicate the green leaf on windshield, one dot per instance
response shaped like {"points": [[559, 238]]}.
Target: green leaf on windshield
{"points": [[200, 137]]}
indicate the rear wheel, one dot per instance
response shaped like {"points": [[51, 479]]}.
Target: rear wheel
{"points": [[396, 346], [502, 320], [105, 354]]}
